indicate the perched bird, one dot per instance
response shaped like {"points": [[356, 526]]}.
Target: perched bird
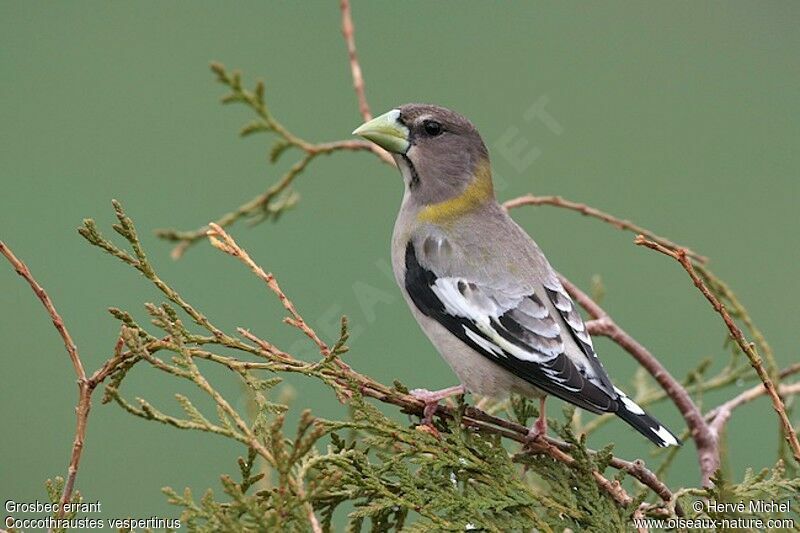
{"points": [[479, 286]]}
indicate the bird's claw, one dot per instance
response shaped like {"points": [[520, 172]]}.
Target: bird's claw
{"points": [[431, 400], [431, 404], [537, 432]]}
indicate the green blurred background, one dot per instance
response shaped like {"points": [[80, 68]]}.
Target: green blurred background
{"points": [[682, 117]]}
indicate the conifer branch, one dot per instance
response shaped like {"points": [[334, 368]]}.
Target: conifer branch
{"points": [[587, 210], [749, 348], [86, 386], [278, 198]]}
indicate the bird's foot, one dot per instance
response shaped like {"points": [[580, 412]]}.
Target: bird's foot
{"points": [[431, 400], [539, 429]]}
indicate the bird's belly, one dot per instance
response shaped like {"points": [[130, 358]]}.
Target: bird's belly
{"points": [[477, 373]]}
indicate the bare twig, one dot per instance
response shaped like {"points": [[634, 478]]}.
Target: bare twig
{"points": [[348, 32], [58, 322], [224, 242], [737, 310], [682, 256], [603, 324], [625, 225], [86, 386], [720, 415], [355, 67], [725, 377]]}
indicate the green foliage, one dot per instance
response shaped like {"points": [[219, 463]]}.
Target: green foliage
{"points": [[752, 497], [279, 197], [392, 471]]}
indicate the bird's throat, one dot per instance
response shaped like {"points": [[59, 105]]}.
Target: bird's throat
{"points": [[476, 194]]}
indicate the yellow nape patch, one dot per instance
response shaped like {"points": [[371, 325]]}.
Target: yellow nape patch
{"points": [[477, 192]]}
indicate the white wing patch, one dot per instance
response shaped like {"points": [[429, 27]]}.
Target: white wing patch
{"points": [[465, 300], [483, 343], [515, 350], [446, 289]]}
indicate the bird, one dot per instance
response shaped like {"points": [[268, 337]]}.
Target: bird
{"points": [[480, 288]]}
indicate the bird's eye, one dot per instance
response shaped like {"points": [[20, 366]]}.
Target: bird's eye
{"points": [[432, 128]]}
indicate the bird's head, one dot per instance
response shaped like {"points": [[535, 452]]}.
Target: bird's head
{"points": [[439, 152]]}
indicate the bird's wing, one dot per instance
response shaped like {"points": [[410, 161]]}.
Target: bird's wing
{"points": [[537, 334]]}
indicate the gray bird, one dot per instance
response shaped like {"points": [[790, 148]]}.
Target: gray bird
{"points": [[480, 288]]}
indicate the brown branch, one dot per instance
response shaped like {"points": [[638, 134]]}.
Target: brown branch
{"points": [[603, 324], [58, 322], [682, 257], [224, 242], [348, 32], [586, 210], [86, 386], [720, 415], [737, 309], [355, 67]]}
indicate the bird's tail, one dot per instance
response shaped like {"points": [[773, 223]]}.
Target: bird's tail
{"points": [[630, 412]]}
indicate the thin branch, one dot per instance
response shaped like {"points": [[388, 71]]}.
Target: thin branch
{"points": [[348, 32], [724, 378], [720, 415], [224, 242], [58, 322], [716, 382], [259, 204], [355, 67], [277, 198], [603, 324], [682, 257], [85, 386], [586, 210], [737, 309]]}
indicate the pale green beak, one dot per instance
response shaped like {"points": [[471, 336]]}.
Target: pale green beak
{"points": [[386, 131]]}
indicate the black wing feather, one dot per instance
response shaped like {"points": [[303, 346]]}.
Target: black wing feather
{"points": [[558, 376]]}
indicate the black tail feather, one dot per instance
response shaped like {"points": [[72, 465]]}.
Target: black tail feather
{"points": [[645, 424]]}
